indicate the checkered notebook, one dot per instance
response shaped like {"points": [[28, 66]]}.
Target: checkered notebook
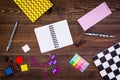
{"points": [[108, 62], [33, 9]]}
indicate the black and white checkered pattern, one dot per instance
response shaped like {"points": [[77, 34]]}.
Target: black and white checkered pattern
{"points": [[108, 62]]}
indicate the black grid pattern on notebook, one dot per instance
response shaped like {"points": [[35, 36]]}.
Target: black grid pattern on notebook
{"points": [[108, 62], [53, 35]]}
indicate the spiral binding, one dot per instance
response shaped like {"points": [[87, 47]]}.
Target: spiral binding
{"points": [[53, 35]]}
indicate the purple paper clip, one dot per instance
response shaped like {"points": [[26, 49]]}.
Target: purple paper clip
{"points": [[58, 70], [52, 56], [33, 61], [46, 74], [44, 64], [55, 61]]}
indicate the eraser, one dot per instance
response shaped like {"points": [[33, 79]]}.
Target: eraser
{"points": [[25, 48]]}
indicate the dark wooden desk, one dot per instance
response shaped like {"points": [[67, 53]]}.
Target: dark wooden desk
{"points": [[62, 9]]}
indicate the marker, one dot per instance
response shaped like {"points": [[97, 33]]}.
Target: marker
{"points": [[11, 38], [99, 35]]}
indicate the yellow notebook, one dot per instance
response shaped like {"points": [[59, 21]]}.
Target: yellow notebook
{"points": [[33, 9]]}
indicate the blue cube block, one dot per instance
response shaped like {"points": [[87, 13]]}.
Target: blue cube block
{"points": [[8, 71]]}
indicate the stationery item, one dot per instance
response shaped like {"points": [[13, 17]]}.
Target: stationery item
{"points": [[50, 63], [33, 61], [58, 69], [108, 62], [52, 56], [94, 16], [54, 61], [54, 70], [53, 36], [19, 59], [79, 63], [53, 67], [44, 64], [33, 9], [26, 48], [12, 35], [8, 71], [46, 74], [24, 67], [100, 35]]}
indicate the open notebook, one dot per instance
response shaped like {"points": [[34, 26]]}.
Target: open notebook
{"points": [[53, 36]]}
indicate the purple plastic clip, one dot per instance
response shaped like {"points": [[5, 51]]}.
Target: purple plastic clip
{"points": [[54, 70], [55, 61], [52, 56], [50, 63]]}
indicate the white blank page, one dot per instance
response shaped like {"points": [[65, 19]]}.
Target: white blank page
{"points": [[62, 33], [44, 38]]}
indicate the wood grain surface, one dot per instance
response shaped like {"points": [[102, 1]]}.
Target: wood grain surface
{"points": [[85, 46]]}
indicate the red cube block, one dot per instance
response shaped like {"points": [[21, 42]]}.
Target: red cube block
{"points": [[19, 59]]}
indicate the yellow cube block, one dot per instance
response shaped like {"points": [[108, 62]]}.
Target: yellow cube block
{"points": [[24, 67]]}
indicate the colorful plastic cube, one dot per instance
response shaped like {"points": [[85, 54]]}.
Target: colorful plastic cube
{"points": [[24, 67], [8, 71], [19, 59]]}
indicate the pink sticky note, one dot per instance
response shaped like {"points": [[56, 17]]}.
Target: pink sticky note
{"points": [[94, 16]]}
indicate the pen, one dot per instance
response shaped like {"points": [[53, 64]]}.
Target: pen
{"points": [[99, 35], [11, 38]]}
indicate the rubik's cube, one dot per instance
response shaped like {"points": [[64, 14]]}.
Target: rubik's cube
{"points": [[33, 9]]}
